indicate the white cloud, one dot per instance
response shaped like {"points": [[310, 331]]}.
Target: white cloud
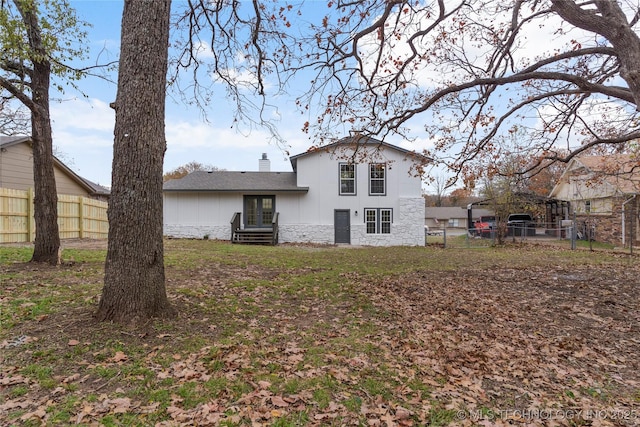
{"points": [[186, 135], [418, 145], [202, 50], [78, 114], [83, 134]]}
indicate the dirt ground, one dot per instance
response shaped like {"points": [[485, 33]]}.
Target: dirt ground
{"points": [[500, 338], [529, 335]]}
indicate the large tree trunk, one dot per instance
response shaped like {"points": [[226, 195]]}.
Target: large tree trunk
{"points": [[47, 243], [612, 24], [134, 282]]}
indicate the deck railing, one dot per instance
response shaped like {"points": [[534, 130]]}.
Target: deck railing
{"points": [[274, 226], [235, 223], [255, 235]]}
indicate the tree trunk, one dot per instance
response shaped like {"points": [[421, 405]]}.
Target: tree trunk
{"points": [[134, 282], [47, 242], [612, 24]]}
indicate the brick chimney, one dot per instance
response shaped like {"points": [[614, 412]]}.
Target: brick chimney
{"points": [[264, 164]]}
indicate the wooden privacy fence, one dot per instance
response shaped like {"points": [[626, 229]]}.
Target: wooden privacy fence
{"points": [[78, 217]]}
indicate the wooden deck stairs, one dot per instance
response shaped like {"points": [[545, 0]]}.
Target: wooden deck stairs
{"points": [[254, 236]]}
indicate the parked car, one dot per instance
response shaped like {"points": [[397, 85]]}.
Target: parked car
{"points": [[521, 224], [484, 226]]}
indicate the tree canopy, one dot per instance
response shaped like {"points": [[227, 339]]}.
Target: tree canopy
{"points": [[61, 43], [186, 169], [470, 73], [36, 39], [467, 73]]}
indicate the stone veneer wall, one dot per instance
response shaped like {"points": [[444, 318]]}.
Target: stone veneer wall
{"points": [[608, 228], [407, 229], [306, 233], [198, 231]]}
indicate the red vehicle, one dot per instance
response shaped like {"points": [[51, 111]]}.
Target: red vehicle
{"points": [[484, 226]]}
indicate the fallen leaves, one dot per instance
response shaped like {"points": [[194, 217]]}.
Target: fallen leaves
{"points": [[119, 357], [534, 343], [13, 380], [463, 347], [279, 402]]}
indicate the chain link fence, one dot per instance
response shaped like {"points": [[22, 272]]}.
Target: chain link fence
{"points": [[569, 234]]}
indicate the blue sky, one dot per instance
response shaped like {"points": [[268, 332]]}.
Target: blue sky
{"points": [[83, 126]]}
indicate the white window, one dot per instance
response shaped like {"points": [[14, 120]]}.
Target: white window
{"points": [[453, 222], [347, 178], [378, 221], [377, 179]]}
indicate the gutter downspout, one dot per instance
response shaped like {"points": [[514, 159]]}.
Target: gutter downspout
{"points": [[623, 223]]}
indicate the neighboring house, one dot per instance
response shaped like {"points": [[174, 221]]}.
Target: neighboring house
{"points": [[16, 171], [603, 191], [357, 190], [451, 217]]}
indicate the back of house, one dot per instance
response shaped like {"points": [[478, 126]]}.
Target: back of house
{"points": [[358, 191]]}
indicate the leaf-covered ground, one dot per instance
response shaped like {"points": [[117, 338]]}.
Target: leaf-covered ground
{"points": [[292, 336]]}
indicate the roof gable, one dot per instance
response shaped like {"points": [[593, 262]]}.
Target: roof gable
{"points": [[349, 146], [89, 186], [616, 173]]}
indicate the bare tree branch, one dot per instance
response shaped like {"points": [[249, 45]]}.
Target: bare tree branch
{"points": [[580, 89]]}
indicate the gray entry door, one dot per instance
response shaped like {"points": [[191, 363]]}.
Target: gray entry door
{"points": [[342, 225]]}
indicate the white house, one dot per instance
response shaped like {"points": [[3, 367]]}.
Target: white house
{"points": [[357, 190]]}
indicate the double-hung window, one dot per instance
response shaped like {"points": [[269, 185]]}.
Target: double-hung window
{"points": [[378, 221], [377, 179], [347, 179]]}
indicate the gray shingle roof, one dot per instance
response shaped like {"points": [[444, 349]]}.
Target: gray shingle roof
{"points": [[235, 181], [98, 190], [10, 140]]}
